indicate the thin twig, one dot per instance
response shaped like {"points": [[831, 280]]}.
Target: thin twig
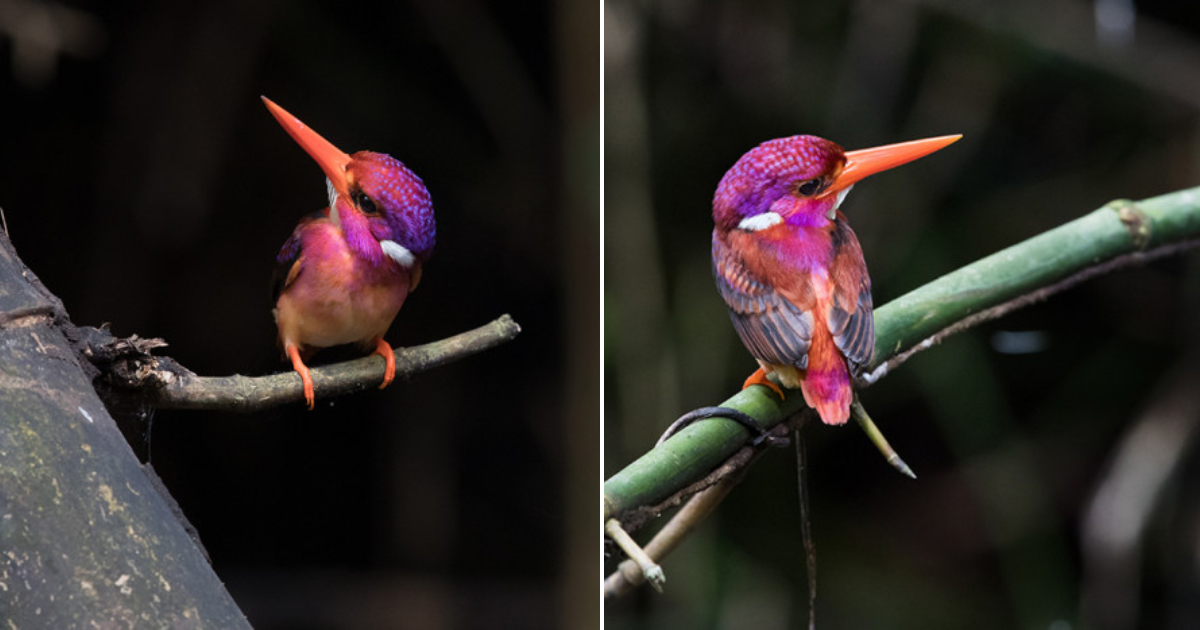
{"points": [[163, 383], [647, 569], [634, 519], [806, 537], [629, 574], [860, 415], [702, 498]]}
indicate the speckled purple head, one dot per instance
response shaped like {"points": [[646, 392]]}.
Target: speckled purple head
{"points": [[768, 172], [395, 205], [401, 198]]}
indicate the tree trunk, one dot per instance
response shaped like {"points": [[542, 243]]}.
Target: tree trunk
{"points": [[86, 536]]}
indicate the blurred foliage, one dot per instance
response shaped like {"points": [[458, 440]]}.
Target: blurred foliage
{"points": [[1063, 108], [147, 186]]}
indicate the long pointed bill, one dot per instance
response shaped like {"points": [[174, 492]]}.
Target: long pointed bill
{"points": [[864, 162], [331, 159]]}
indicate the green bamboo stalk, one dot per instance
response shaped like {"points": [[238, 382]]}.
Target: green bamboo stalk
{"points": [[1120, 233]]}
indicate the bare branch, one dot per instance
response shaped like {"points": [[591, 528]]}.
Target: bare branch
{"points": [[136, 376], [702, 498]]}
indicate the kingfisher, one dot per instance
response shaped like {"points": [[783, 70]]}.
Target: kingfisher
{"points": [[791, 270], [343, 274]]}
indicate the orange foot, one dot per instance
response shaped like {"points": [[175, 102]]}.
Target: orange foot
{"points": [[383, 349], [760, 378], [297, 364]]}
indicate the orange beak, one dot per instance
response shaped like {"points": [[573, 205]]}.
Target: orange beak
{"points": [[331, 159], [864, 162]]}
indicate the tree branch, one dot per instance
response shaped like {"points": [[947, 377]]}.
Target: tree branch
{"points": [[1120, 234], [134, 375]]}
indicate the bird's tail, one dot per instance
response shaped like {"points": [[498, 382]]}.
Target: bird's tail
{"points": [[826, 386]]}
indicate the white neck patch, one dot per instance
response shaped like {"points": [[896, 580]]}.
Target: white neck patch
{"points": [[332, 193], [837, 202], [841, 196], [398, 253], [760, 222]]}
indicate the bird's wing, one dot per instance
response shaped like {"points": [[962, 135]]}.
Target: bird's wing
{"points": [[850, 317], [290, 259], [774, 329]]}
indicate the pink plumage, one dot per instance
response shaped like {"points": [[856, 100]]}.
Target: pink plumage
{"points": [[345, 272], [791, 270]]}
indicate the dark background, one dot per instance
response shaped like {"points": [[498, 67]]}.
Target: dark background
{"points": [[1058, 478], [145, 183]]}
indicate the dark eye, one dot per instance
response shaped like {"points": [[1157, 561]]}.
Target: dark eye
{"points": [[811, 187], [364, 203]]}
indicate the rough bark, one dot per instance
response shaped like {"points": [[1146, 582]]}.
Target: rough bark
{"points": [[86, 537]]}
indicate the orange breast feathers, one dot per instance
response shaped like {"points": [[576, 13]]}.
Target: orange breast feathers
{"points": [[319, 307]]}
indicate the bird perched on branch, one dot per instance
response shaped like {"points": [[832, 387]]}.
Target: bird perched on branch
{"points": [[790, 268], [345, 271]]}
